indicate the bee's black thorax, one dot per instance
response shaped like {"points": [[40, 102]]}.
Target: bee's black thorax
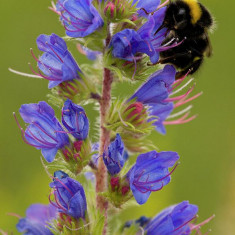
{"points": [[188, 22]]}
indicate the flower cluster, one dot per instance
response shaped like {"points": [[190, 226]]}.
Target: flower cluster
{"points": [[123, 39]]}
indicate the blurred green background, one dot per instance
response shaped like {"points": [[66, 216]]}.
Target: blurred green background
{"points": [[206, 175]]}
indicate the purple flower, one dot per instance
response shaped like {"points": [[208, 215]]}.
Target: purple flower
{"points": [[56, 64], [157, 88], [69, 196], [44, 131], [128, 43], [75, 120], [80, 17], [115, 157], [174, 220], [150, 173], [37, 218]]}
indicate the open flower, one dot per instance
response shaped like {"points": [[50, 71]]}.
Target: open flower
{"points": [[150, 173], [173, 220], [56, 64], [157, 88], [129, 44], [115, 157], [75, 120], [44, 132], [80, 17], [156, 95], [38, 216], [148, 5], [69, 196]]}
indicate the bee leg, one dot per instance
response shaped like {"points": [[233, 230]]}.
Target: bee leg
{"points": [[193, 68], [195, 65]]}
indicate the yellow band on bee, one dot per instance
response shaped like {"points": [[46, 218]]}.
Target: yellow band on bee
{"points": [[195, 10]]}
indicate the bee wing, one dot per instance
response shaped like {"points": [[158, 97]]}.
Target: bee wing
{"points": [[208, 51]]}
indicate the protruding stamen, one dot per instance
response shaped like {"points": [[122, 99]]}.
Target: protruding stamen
{"points": [[163, 4], [183, 101], [35, 57], [180, 112], [181, 120], [15, 215], [24, 74], [164, 48], [181, 88], [53, 8], [181, 96], [203, 223]]}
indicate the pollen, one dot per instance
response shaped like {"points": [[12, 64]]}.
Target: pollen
{"points": [[195, 10]]}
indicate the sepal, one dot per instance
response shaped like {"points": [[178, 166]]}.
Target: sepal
{"points": [[133, 125], [79, 91], [73, 159], [78, 156], [117, 11], [118, 191], [68, 225], [135, 70]]}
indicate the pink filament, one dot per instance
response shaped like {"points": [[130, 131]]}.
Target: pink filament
{"points": [[179, 97], [202, 223], [181, 120], [183, 101], [163, 4]]}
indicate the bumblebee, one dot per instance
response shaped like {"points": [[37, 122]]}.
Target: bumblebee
{"points": [[188, 23]]}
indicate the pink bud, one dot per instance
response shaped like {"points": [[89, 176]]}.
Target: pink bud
{"points": [[125, 190], [109, 9], [66, 153], [77, 145], [114, 183], [137, 110]]}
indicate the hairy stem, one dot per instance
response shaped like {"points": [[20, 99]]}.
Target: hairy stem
{"points": [[101, 173]]}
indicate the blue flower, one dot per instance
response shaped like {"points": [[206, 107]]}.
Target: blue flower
{"points": [[115, 157], [174, 220], [37, 218], [80, 18], [69, 196], [150, 173], [57, 64], [60, 174], [44, 131], [128, 42], [148, 5], [75, 120], [157, 88], [162, 111], [90, 54]]}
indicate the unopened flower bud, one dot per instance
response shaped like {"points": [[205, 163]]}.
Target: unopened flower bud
{"points": [[137, 111], [114, 183], [125, 190], [109, 10]]}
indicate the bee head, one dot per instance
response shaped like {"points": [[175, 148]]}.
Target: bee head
{"points": [[177, 16]]}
